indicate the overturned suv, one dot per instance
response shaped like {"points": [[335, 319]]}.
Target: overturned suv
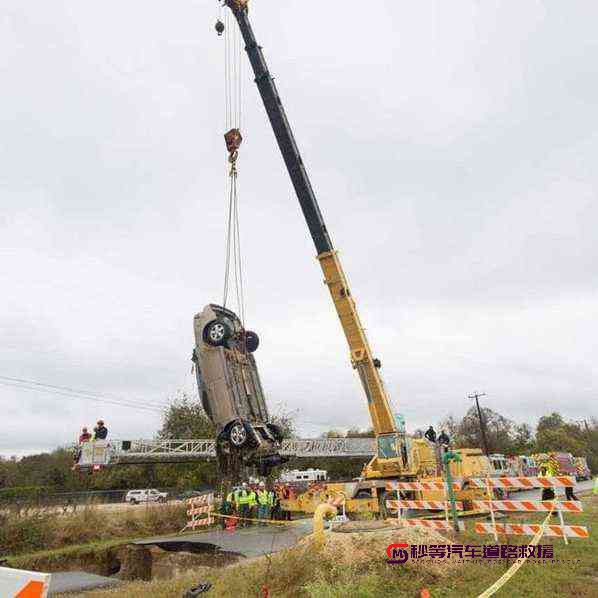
{"points": [[231, 392]]}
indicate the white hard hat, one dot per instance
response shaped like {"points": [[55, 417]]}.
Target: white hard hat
{"points": [[262, 485]]}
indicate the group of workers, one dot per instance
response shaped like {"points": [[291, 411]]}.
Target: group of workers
{"points": [[251, 501], [442, 440], [100, 432]]}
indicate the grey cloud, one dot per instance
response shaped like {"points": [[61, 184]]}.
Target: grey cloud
{"points": [[452, 149]]}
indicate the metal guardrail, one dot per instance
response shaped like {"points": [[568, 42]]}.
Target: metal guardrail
{"points": [[171, 451]]}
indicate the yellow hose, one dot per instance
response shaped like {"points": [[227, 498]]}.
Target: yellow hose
{"points": [[322, 511]]}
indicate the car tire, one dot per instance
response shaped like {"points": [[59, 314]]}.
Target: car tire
{"points": [[216, 333], [252, 341], [133, 501], [238, 435]]}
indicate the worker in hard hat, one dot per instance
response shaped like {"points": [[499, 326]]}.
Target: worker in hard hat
{"points": [[264, 502], [547, 471], [227, 507], [243, 500]]}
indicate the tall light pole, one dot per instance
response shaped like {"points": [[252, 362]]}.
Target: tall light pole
{"points": [[476, 396]]}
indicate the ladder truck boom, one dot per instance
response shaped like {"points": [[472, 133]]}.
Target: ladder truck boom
{"points": [[391, 447]]}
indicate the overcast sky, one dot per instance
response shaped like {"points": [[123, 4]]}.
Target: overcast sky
{"points": [[452, 146]]}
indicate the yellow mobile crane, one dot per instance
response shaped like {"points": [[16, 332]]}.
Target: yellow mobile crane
{"points": [[393, 459]]}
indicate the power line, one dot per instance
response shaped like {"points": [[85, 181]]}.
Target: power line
{"points": [[91, 393], [72, 394]]}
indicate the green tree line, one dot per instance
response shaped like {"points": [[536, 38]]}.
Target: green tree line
{"points": [[52, 472]]}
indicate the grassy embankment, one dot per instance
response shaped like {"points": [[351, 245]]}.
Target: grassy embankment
{"points": [[303, 572], [46, 540]]}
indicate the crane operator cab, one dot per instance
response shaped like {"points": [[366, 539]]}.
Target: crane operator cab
{"points": [[231, 392]]}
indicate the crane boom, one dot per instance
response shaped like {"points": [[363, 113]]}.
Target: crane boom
{"points": [[390, 442]]}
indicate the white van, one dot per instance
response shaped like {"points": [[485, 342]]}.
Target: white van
{"points": [[135, 497]]}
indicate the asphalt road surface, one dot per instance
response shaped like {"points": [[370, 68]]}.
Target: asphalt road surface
{"points": [[249, 542]]}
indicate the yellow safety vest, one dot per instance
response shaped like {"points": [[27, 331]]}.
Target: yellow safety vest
{"points": [[263, 497], [242, 497], [252, 497]]}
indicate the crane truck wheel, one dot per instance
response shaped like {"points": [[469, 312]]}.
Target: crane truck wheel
{"points": [[252, 341], [216, 333]]}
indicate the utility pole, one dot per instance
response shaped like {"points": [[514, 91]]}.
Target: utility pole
{"points": [[476, 396]]}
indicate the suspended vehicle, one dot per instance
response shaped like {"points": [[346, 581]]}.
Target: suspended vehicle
{"points": [[231, 391]]}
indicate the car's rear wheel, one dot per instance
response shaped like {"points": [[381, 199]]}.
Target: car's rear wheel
{"points": [[133, 501], [252, 341], [237, 434], [216, 333]]}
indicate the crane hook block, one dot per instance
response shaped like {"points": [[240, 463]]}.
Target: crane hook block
{"points": [[233, 140], [219, 27]]}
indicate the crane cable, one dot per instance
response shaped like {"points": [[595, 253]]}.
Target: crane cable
{"points": [[233, 98]]}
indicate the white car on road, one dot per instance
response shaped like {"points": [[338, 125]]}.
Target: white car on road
{"points": [[135, 497]]}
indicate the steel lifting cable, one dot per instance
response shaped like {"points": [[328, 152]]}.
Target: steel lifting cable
{"points": [[233, 138]]}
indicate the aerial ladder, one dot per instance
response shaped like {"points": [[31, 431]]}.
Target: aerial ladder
{"points": [[392, 459]]}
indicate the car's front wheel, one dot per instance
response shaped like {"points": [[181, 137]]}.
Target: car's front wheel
{"points": [[237, 434], [216, 333]]}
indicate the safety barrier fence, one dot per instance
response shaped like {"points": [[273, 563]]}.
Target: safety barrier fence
{"points": [[199, 511], [529, 529], [430, 485], [435, 485], [521, 483], [571, 506], [553, 506], [430, 505]]}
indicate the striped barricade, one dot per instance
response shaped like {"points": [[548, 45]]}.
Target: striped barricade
{"points": [[429, 505], [559, 507], [530, 529], [571, 506], [436, 524], [520, 483], [199, 510], [430, 485], [17, 583]]}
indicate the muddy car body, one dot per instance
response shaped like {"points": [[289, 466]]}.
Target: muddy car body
{"points": [[231, 391]]}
